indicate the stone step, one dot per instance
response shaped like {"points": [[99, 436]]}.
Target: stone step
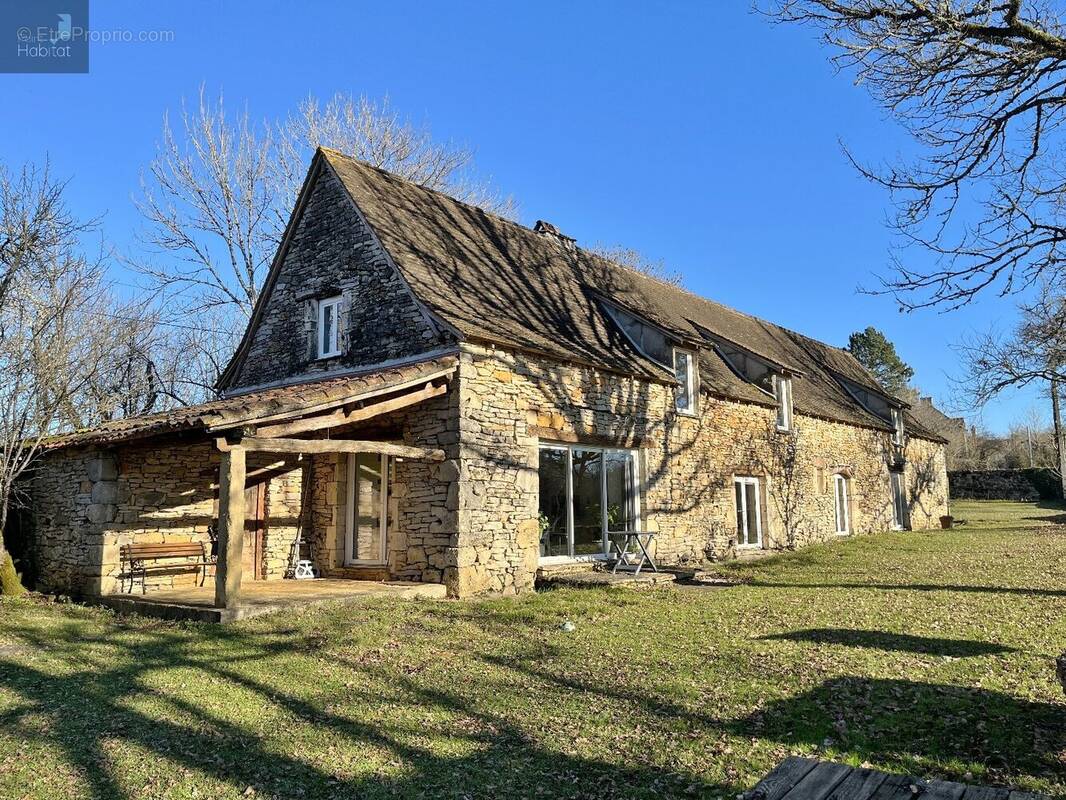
{"points": [[590, 576], [358, 573]]}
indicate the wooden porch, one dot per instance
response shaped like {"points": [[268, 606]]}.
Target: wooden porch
{"points": [[310, 429]]}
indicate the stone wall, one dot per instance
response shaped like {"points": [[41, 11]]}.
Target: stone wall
{"points": [[422, 496], [511, 402], [330, 253], [86, 504], [1019, 485]]}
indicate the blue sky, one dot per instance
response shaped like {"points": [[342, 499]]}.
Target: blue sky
{"points": [[697, 133]]}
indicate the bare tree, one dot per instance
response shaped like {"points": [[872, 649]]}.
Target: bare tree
{"points": [[48, 340], [374, 132], [635, 260], [981, 87], [1034, 352], [219, 192]]}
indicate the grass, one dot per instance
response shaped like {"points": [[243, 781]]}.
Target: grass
{"points": [[925, 653]]}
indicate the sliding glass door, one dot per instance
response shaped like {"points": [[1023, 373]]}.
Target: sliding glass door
{"points": [[584, 493]]}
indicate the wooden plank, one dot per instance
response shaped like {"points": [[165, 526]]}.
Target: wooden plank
{"points": [[1016, 795], [860, 784], [943, 790], [820, 782], [342, 417], [256, 444], [782, 778], [343, 400], [162, 552], [985, 793], [895, 787]]}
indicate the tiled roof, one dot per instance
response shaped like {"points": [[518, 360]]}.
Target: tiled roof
{"points": [[278, 400], [497, 281]]}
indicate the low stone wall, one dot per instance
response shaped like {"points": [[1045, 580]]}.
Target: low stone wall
{"points": [[1019, 485]]}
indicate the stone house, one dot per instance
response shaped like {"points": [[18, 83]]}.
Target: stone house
{"points": [[427, 392]]}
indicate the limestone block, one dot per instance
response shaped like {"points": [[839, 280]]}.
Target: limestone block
{"points": [[103, 468], [105, 492], [100, 513]]}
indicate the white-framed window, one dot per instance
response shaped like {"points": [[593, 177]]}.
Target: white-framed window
{"points": [[899, 500], [749, 515], [840, 499], [367, 514], [328, 334], [783, 394], [897, 426], [585, 492], [685, 372]]}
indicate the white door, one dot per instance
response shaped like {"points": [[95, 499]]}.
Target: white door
{"points": [[899, 501], [749, 517], [367, 517], [840, 492]]}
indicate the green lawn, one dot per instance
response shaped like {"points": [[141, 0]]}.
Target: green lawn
{"points": [[929, 653]]}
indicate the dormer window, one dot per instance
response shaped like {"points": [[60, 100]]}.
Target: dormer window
{"points": [[649, 339], [329, 327], [783, 395], [685, 372], [897, 427]]}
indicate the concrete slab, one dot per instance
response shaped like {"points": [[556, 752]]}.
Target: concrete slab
{"points": [[197, 603]]}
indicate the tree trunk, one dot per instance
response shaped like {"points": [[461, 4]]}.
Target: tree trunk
{"points": [[1060, 442]]}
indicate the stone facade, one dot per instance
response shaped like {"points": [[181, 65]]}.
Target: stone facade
{"points": [[511, 403], [471, 521], [331, 252]]}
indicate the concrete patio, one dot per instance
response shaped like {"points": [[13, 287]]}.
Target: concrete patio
{"points": [[197, 603]]}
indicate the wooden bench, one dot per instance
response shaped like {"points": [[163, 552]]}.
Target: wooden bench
{"points": [[137, 560]]}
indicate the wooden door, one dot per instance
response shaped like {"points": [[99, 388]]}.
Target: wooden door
{"points": [[254, 530]]}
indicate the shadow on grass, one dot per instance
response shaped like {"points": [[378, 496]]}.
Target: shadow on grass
{"points": [[99, 701], [893, 642], [912, 587], [1056, 519], [900, 725], [917, 726]]}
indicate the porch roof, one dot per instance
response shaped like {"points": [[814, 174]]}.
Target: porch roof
{"points": [[273, 404]]}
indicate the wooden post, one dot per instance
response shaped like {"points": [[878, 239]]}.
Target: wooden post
{"points": [[230, 528]]}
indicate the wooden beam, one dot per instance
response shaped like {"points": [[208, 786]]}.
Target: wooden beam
{"points": [[230, 527], [333, 446], [342, 417], [280, 416]]}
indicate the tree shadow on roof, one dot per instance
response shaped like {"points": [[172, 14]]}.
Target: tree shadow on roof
{"points": [[893, 642]]}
